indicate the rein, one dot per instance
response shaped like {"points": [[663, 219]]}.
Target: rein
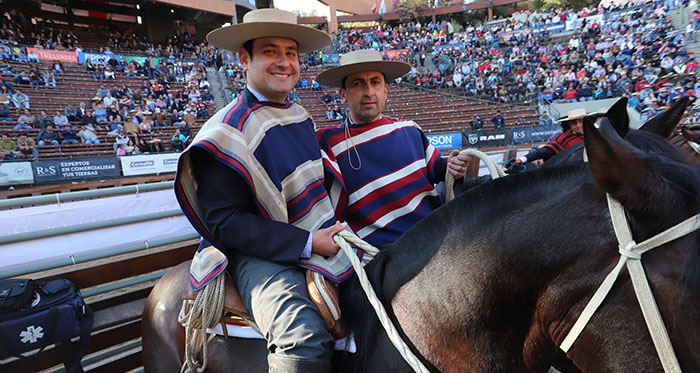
{"points": [[631, 255]]}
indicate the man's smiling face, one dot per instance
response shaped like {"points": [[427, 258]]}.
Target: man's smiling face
{"points": [[273, 67]]}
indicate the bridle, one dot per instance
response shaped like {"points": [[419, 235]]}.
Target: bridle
{"points": [[631, 255]]}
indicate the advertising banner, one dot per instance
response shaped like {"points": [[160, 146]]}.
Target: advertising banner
{"points": [[96, 57], [459, 46], [16, 173], [486, 138], [75, 169], [140, 59], [148, 164], [446, 141], [54, 55], [526, 135]]}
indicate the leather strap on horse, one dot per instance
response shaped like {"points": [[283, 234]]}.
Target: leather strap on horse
{"points": [[344, 239], [631, 254], [204, 313], [496, 171]]}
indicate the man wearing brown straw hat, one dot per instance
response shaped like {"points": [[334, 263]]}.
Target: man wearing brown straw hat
{"points": [[251, 183], [386, 168], [571, 136]]}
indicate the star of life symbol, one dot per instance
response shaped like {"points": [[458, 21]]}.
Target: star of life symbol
{"points": [[32, 334]]}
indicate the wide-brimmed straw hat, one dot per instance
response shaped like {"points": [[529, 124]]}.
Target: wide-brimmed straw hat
{"points": [[264, 23], [359, 61], [574, 114]]}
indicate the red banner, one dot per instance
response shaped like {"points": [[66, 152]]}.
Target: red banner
{"points": [[395, 53], [54, 55]]}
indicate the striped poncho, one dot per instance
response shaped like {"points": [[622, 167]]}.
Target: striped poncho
{"points": [[393, 188], [274, 149]]}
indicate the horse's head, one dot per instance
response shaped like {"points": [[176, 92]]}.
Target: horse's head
{"points": [[659, 186]]}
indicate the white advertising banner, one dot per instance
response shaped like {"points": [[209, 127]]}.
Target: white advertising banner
{"points": [[16, 173], [32, 219], [148, 164]]}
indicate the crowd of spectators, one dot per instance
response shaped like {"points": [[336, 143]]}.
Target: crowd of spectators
{"points": [[638, 54]]}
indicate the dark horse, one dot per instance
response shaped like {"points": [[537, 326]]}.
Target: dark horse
{"points": [[494, 280]]}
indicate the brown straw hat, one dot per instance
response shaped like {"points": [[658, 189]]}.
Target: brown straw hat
{"points": [[362, 60], [263, 23]]}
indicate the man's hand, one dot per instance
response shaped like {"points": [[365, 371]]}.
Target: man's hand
{"points": [[322, 241], [457, 164]]}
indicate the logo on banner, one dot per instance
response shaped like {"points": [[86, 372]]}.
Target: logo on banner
{"points": [[473, 138], [170, 161], [46, 171], [519, 135], [142, 164], [498, 136]]}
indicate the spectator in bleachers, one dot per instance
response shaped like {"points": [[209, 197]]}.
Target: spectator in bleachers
{"points": [[160, 119], [189, 117], [20, 100], [329, 113], [108, 100], [157, 146], [49, 79], [477, 123], [57, 67], [22, 78], [120, 150], [5, 113], [293, 96], [185, 129], [35, 77], [5, 94], [89, 119], [112, 111], [131, 127], [121, 139], [60, 120], [25, 121], [26, 147], [141, 146], [110, 74], [115, 126], [208, 97], [69, 135], [8, 148], [100, 113], [48, 136], [175, 118], [178, 141], [88, 135], [499, 122], [71, 113]]}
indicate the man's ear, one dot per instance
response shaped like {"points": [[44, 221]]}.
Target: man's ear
{"points": [[244, 58], [341, 92]]}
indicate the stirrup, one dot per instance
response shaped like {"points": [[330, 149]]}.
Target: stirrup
{"points": [[324, 294]]}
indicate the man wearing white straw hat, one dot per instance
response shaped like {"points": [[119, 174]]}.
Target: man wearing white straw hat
{"points": [[384, 169], [251, 184], [571, 136]]}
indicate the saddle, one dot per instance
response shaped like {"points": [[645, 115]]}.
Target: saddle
{"points": [[322, 293]]}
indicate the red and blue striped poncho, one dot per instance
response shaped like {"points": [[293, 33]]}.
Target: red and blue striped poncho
{"points": [[274, 149], [563, 141], [394, 187]]}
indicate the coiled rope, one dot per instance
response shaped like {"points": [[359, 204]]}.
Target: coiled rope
{"points": [[204, 313], [494, 169]]}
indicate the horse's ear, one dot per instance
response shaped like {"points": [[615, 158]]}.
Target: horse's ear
{"points": [[621, 173], [690, 135], [617, 114], [664, 123]]}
